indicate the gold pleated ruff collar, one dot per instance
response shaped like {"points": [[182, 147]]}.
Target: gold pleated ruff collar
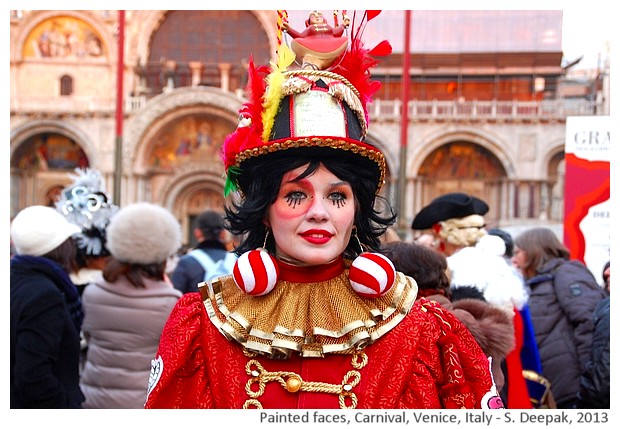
{"points": [[312, 319]]}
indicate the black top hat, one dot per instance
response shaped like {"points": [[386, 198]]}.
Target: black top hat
{"points": [[448, 206], [319, 111]]}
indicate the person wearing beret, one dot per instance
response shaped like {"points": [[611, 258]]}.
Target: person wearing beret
{"points": [[46, 312], [313, 315], [475, 258], [457, 221], [125, 309]]}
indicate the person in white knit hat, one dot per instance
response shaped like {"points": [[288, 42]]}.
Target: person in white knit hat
{"points": [[125, 311], [46, 313]]}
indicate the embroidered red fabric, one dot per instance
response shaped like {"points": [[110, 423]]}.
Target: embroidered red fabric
{"points": [[429, 360]]}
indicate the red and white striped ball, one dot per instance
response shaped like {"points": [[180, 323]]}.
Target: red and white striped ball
{"points": [[371, 274], [256, 272]]}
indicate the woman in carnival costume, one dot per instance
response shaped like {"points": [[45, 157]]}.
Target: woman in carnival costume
{"points": [[313, 316]]}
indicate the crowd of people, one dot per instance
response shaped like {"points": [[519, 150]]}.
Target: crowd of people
{"points": [[319, 304]]}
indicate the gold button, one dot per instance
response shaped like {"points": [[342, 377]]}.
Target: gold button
{"points": [[293, 384]]}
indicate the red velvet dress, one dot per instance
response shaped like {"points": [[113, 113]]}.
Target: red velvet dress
{"points": [[326, 348]]}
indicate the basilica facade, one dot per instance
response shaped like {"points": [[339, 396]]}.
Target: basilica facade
{"points": [[148, 97]]}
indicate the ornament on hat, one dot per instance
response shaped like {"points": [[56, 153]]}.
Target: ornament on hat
{"points": [[289, 108], [256, 272]]}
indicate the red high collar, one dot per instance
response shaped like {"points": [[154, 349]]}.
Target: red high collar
{"points": [[297, 274]]}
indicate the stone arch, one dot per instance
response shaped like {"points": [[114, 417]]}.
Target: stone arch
{"points": [[34, 19], [388, 190], [486, 179], [554, 166], [35, 186], [550, 154], [441, 138], [168, 106], [391, 159], [181, 191], [32, 128]]}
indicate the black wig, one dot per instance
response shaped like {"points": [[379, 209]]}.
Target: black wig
{"points": [[245, 216]]}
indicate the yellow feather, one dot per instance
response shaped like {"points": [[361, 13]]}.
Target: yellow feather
{"points": [[285, 57], [273, 96]]}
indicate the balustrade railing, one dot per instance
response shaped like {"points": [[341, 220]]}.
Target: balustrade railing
{"points": [[378, 110], [494, 109]]}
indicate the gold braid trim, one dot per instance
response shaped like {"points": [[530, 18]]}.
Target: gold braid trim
{"points": [[333, 143], [317, 74], [292, 382]]}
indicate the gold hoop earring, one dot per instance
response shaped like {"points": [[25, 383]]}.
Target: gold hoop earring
{"points": [[359, 243], [265, 240]]}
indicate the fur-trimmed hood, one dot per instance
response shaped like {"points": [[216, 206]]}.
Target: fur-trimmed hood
{"points": [[493, 328]]}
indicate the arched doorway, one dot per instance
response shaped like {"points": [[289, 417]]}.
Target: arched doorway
{"points": [[40, 165], [462, 166]]}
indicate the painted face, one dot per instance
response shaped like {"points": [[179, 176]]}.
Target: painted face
{"points": [[312, 218], [316, 18]]}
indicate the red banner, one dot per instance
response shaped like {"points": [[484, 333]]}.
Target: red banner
{"points": [[587, 191]]}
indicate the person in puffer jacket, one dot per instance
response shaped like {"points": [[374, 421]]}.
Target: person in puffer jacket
{"points": [[563, 296], [126, 309]]}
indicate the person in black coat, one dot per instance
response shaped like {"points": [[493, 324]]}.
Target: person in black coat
{"points": [[595, 381], [46, 313]]}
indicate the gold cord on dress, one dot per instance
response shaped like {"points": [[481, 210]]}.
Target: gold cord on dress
{"points": [[292, 382]]}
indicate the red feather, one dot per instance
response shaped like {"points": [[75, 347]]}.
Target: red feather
{"points": [[245, 137], [356, 63], [371, 14], [255, 91], [382, 49]]}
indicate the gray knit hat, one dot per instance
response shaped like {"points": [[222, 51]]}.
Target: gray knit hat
{"points": [[143, 233]]}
